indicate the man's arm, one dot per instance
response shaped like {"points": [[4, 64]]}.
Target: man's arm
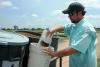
{"points": [[65, 52], [61, 53], [55, 29]]}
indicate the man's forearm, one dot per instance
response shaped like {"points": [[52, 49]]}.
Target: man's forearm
{"points": [[56, 29], [65, 52]]}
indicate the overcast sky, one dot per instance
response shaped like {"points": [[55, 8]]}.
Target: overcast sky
{"points": [[43, 13]]}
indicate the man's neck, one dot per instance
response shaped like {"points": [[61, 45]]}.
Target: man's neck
{"points": [[77, 21]]}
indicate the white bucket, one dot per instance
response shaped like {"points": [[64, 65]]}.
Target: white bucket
{"points": [[46, 38], [37, 58]]}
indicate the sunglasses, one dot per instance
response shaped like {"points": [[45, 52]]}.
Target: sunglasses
{"points": [[70, 14]]}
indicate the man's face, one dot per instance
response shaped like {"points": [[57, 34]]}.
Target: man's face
{"points": [[74, 17]]}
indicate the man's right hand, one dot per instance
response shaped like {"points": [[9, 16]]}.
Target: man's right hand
{"points": [[54, 29], [49, 33]]}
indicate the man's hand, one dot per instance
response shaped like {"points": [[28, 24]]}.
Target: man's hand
{"points": [[49, 33], [49, 51], [55, 29]]}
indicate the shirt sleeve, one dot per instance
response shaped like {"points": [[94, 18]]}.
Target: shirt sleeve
{"points": [[67, 29], [82, 42]]}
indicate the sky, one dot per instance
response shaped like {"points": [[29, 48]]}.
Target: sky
{"points": [[43, 13]]}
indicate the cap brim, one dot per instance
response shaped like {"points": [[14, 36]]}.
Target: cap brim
{"points": [[66, 11]]}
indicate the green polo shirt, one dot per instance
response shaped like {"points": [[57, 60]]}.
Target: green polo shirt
{"points": [[82, 38]]}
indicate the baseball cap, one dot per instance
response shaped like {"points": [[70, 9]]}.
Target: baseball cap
{"points": [[75, 6]]}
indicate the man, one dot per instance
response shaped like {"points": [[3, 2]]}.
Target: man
{"points": [[82, 42]]}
